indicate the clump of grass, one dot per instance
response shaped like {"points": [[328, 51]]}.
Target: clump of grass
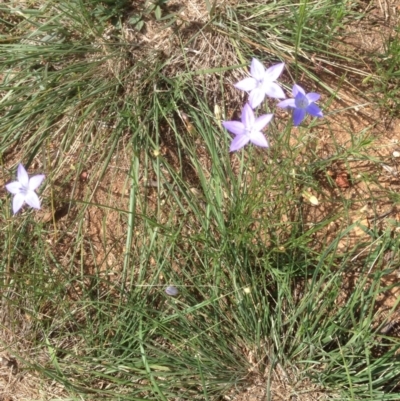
{"points": [[387, 67], [296, 33], [263, 289]]}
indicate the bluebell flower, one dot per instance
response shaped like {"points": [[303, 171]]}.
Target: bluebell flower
{"points": [[248, 130], [302, 104], [24, 189], [262, 83], [172, 291]]}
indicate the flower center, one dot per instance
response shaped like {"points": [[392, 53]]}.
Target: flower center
{"points": [[248, 132], [301, 101], [260, 82], [23, 190]]}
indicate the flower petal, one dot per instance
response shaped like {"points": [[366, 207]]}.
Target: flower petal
{"points": [[313, 97], [22, 176], [246, 84], [32, 200], [257, 70], [236, 127], [14, 187], [259, 139], [35, 181], [18, 201], [274, 90], [297, 89], [314, 110], [287, 103], [274, 71], [262, 121], [238, 142], [247, 117], [298, 116], [256, 97]]}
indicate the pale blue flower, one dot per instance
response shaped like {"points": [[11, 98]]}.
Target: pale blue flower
{"points": [[172, 291], [302, 104], [261, 83], [248, 130], [24, 189]]}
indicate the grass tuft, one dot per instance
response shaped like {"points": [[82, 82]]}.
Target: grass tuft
{"points": [[284, 277]]}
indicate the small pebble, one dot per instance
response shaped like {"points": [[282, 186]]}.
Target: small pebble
{"points": [[84, 176], [396, 154], [172, 290]]}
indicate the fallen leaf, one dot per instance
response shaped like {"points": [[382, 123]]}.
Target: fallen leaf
{"points": [[342, 180]]}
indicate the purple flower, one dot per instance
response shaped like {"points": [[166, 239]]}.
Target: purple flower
{"points": [[24, 189], [248, 130], [302, 104], [262, 83]]}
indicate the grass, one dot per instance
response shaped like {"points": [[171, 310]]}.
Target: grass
{"points": [[141, 192], [387, 67]]}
